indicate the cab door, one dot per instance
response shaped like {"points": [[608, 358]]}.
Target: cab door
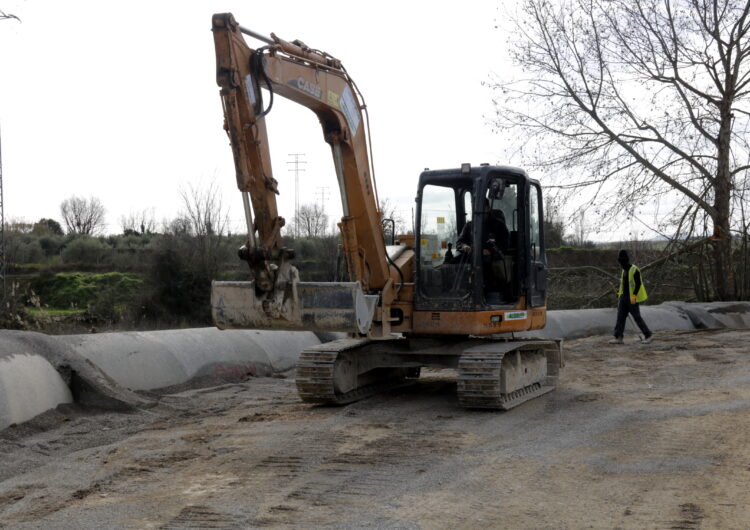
{"points": [[535, 237]]}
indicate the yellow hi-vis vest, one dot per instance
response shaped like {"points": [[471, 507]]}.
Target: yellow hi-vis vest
{"points": [[641, 295]]}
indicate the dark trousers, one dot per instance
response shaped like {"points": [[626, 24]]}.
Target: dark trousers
{"points": [[623, 308]]}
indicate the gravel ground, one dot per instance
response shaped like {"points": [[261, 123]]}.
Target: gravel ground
{"points": [[636, 436]]}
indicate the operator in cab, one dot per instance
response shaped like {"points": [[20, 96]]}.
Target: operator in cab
{"points": [[495, 240]]}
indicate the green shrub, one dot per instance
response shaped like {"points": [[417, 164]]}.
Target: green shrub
{"points": [[132, 241], [47, 226], [86, 250], [51, 244], [179, 286], [31, 252], [22, 248], [81, 290]]}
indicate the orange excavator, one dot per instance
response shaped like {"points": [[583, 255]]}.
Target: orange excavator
{"points": [[450, 295]]}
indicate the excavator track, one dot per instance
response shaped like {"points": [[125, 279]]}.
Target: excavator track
{"points": [[491, 374], [317, 374], [480, 383]]}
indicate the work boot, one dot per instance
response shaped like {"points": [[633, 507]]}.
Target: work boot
{"points": [[648, 339], [617, 340]]}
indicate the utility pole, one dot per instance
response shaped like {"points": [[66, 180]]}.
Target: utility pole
{"points": [[296, 169], [3, 16], [323, 196]]}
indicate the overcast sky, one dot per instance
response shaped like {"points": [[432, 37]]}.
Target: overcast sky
{"points": [[118, 100]]}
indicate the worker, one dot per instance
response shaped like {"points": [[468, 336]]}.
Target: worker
{"points": [[495, 234], [495, 239], [632, 292]]}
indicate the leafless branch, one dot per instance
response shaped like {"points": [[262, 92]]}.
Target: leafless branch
{"points": [[636, 98], [8, 16]]}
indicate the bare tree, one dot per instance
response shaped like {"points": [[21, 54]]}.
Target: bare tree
{"points": [[18, 225], [644, 100], [83, 216], [388, 210], [179, 226], [205, 218], [311, 221], [554, 227], [580, 237], [140, 222], [203, 211]]}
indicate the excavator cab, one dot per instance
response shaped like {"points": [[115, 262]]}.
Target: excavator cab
{"points": [[480, 241]]}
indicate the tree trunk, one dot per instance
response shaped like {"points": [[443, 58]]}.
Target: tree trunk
{"points": [[724, 269], [724, 272]]}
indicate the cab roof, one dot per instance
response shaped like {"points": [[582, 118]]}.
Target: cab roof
{"points": [[460, 175]]}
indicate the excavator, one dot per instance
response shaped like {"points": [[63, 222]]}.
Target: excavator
{"points": [[452, 294]]}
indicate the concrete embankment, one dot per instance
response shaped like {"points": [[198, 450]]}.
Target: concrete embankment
{"points": [[577, 323], [29, 385], [157, 359], [39, 372]]}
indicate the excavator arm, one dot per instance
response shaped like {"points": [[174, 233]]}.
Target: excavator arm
{"points": [[319, 82]]}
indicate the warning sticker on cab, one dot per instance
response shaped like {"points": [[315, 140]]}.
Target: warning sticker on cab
{"points": [[515, 315]]}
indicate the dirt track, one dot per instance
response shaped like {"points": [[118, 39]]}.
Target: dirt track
{"points": [[636, 436]]}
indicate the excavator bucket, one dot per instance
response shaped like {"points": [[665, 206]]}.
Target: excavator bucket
{"points": [[302, 306]]}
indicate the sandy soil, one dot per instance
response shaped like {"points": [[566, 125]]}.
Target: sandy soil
{"points": [[636, 436]]}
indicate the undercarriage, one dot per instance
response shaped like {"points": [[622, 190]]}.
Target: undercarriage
{"points": [[492, 374]]}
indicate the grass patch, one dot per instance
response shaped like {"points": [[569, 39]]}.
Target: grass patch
{"points": [[79, 290], [46, 312]]}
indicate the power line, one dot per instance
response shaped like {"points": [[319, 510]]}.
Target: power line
{"points": [[296, 169]]}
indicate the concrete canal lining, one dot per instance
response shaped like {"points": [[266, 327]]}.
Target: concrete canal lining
{"points": [[39, 372]]}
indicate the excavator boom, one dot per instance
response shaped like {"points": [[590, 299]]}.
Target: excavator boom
{"points": [[276, 299]]}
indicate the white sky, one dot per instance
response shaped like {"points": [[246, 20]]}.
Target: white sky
{"points": [[118, 100]]}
